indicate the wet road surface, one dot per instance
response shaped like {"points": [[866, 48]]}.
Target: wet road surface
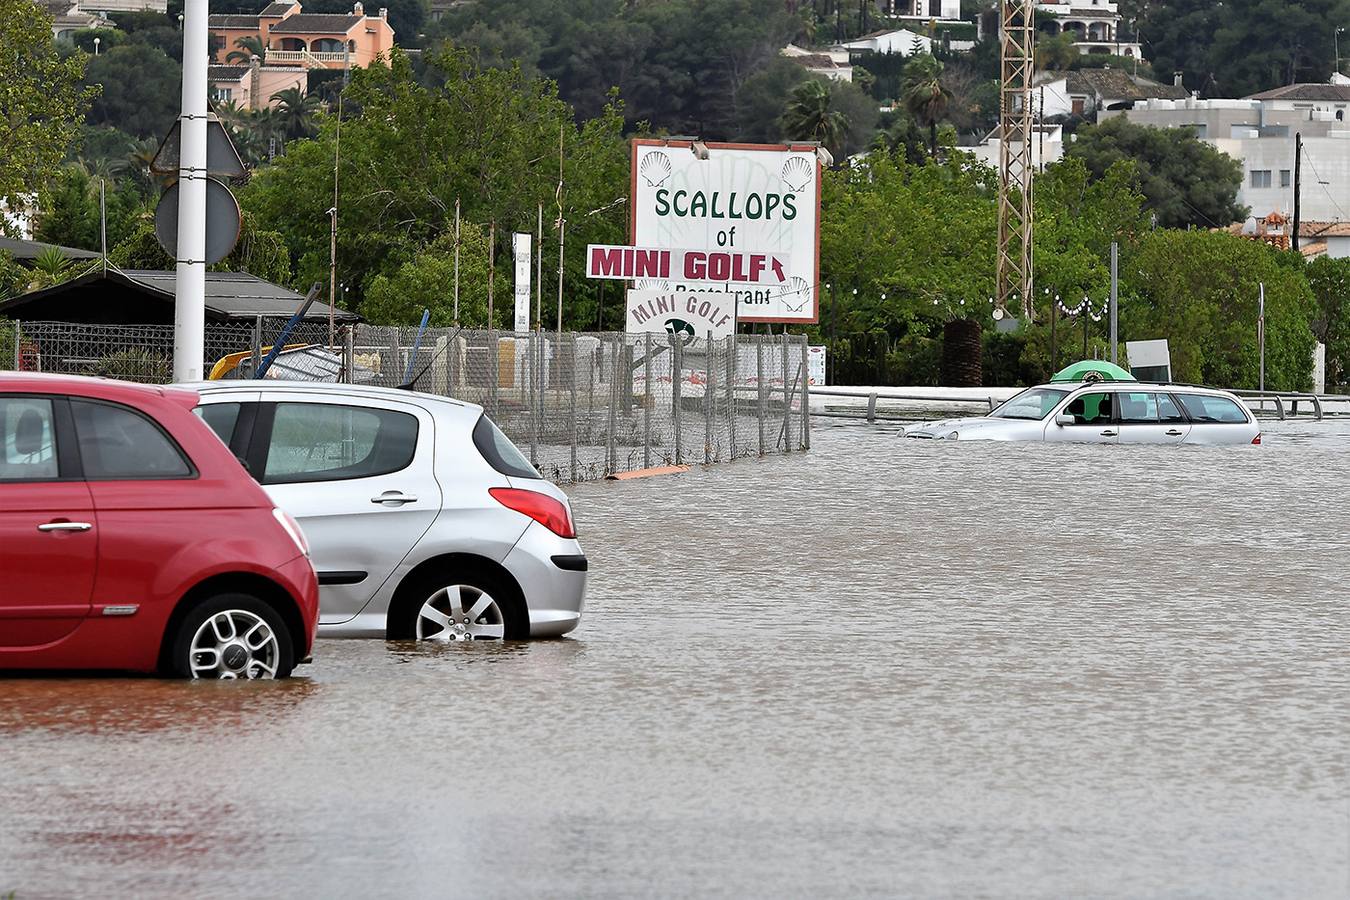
{"points": [[883, 668]]}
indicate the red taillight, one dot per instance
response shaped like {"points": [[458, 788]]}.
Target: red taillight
{"points": [[552, 514], [1257, 439]]}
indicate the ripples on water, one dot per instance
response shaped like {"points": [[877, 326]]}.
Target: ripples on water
{"points": [[886, 667]]}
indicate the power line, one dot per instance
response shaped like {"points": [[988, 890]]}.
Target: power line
{"points": [[1325, 190]]}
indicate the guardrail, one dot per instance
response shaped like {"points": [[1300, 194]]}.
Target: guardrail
{"points": [[873, 396], [1294, 398]]}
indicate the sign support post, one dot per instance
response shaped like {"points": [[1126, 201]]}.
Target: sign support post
{"points": [[189, 317]]}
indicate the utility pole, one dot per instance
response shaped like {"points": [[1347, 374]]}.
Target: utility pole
{"points": [[1298, 175], [1261, 334], [189, 317], [1115, 254], [1017, 53]]}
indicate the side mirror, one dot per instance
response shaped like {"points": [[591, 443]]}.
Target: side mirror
{"points": [[1063, 419]]}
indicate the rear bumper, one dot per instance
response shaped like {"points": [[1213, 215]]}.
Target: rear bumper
{"points": [[300, 581], [551, 572]]}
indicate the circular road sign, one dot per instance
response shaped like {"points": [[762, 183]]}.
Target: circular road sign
{"points": [[222, 221]]}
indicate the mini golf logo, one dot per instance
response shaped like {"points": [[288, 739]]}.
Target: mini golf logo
{"points": [[679, 328]]}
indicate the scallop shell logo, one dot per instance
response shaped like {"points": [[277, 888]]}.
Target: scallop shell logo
{"points": [[797, 173], [655, 168], [652, 284], [795, 294]]}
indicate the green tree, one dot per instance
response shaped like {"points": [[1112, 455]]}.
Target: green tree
{"points": [[810, 116], [70, 214], [258, 252], [140, 90], [295, 112], [1199, 290], [1240, 47], [485, 137], [1184, 180], [763, 98], [248, 46], [427, 282], [41, 101], [1329, 280], [925, 96], [1057, 52]]}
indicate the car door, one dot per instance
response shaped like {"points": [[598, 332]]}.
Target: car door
{"points": [[1216, 419], [1147, 417], [1093, 419], [357, 473], [147, 493], [48, 538]]}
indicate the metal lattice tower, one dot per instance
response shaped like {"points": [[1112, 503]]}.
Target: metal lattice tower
{"points": [[1017, 35]]}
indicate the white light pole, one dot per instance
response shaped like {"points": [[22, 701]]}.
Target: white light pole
{"points": [[96, 43], [189, 320]]}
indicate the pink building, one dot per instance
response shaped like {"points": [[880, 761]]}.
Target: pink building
{"points": [[292, 37], [253, 86]]}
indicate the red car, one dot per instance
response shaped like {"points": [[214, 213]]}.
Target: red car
{"points": [[131, 538]]}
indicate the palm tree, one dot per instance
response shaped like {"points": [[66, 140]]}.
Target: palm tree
{"points": [[250, 45], [925, 95], [296, 110], [808, 117]]}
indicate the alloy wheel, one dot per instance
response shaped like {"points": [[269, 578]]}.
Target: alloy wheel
{"points": [[233, 644], [460, 612]]}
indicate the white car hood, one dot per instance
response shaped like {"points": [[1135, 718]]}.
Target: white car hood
{"points": [[944, 427]]}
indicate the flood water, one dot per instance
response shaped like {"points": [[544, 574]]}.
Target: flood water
{"points": [[881, 668]]}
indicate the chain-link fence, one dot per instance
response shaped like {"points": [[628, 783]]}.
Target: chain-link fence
{"points": [[582, 406]]}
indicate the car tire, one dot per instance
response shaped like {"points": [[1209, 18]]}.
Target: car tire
{"points": [[232, 636], [434, 593]]}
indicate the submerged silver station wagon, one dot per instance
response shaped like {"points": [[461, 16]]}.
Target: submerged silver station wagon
{"points": [[424, 520], [1101, 412]]}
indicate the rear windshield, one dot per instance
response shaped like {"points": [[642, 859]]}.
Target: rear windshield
{"points": [[499, 452], [1204, 408]]}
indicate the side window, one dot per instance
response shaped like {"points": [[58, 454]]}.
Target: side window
{"points": [[1138, 409], [499, 452], [221, 417], [1090, 409], [1205, 409], [28, 445], [329, 442], [1168, 411], [120, 443]]}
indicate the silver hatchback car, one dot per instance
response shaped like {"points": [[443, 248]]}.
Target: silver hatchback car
{"points": [[424, 520]]}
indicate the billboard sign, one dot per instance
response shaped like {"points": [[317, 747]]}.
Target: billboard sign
{"points": [[521, 243], [627, 263], [693, 315], [740, 203]]}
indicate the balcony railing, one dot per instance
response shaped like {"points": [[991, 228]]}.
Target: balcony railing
{"points": [[304, 57]]}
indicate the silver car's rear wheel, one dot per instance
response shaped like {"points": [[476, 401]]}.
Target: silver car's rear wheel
{"points": [[234, 643], [460, 612]]}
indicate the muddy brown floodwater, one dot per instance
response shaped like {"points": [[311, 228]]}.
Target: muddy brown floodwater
{"points": [[884, 667]]}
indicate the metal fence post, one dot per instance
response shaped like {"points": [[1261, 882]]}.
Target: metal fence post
{"points": [[349, 353], [730, 343], [759, 389], [648, 401], [494, 370], [787, 398], [709, 395], [676, 389], [18, 341], [611, 457], [257, 343], [806, 394], [532, 344], [572, 439]]}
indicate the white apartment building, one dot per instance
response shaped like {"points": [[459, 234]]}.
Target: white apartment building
{"points": [[1260, 131], [1095, 24]]}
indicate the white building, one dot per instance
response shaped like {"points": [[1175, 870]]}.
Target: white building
{"points": [[1095, 24], [1086, 92], [923, 9], [1047, 147], [1260, 132], [832, 64], [896, 40]]}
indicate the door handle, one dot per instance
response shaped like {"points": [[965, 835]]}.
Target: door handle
{"points": [[394, 497], [1109, 433], [65, 526], [1172, 432]]}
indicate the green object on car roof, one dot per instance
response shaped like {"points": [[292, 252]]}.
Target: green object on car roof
{"points": [[1084, 370]]}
